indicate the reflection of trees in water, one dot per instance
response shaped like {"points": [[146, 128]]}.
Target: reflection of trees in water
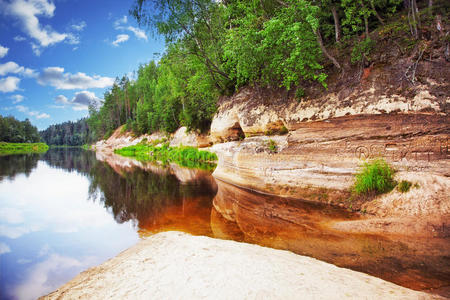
{"points": [[71, 159], [141, 195], [137, 195], [12, 165]]}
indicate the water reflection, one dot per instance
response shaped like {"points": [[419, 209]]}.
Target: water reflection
{"points": [[49, 230], [303, 228], [12, 165], [69, 209]]}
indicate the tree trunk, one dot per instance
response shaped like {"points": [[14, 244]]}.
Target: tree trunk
{"points": [[324, 50], [366, 21], [416, 11], [414, 30], [337, 25], [380, 19], [430, 7]]}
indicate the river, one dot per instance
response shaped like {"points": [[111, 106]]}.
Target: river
{"points": [[64, 211]]}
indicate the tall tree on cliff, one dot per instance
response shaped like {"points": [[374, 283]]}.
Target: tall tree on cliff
{"points": [[198, 23]]}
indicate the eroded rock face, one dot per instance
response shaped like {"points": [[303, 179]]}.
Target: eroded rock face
{"points": [[258, 112], [317, 161], [194, 139], [121, 139]]}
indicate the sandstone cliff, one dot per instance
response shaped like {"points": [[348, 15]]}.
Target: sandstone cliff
{"points": [[329, 135]]}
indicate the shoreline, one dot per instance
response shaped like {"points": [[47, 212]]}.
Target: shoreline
{"points": [[174, 264]]}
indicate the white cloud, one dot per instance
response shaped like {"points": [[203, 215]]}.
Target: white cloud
{"points": [[117, 23], [139, 33], [36, 114], [9, 84], [36, 49], [19, 38], [27, 11], [80, 101], [4, 248], [15, 232], [17, 99], [80, 26], [73, 39], [56, 77], [11, 215], [22, 108], [3, 51], [120, 38], [39, 115], [14, 68]]}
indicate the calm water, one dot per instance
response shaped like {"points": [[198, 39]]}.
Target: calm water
{"points": [[65, 211]]}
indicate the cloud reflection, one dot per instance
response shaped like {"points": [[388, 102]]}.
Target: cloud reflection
{"points": [[4, 248], [38, 203], [38, 280]]}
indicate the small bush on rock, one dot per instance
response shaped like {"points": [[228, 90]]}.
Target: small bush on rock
{"points": [[404, 186], [375, 177]]}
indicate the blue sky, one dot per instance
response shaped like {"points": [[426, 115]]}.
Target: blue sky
{"points": [[58, 56]]}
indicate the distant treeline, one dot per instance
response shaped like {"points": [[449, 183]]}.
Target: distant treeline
{"points": [[67, 133], [15, 131]]}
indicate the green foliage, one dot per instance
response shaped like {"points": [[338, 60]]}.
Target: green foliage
{"points": [[15, 131], [214, 47], [184, 156], [404, 186], [283, 130], [67, 133], [281, 49], [273, 148], [362, 50], [375, 177], [22, 148], [299, 93]]}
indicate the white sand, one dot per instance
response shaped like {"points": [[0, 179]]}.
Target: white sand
{"points": [[174, 265]]}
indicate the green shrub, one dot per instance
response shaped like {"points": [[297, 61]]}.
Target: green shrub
{"points": [[404, 186], [283, 130], [375, 177], [184, 156], [272, 146], [362, 49]]}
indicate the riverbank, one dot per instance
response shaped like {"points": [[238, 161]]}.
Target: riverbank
{"points": [[22, 148], [175, 265]]}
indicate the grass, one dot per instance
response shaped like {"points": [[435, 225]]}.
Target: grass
{"points": [[375, 177], [272, 146], [184, 156], [404, 186], [22, 148]]}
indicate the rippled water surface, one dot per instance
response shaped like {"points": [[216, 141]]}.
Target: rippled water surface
{"points": [[67, 210]]}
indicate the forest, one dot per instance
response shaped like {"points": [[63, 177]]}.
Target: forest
{"points": [[68, 133], [213, 48], [15, 131]]}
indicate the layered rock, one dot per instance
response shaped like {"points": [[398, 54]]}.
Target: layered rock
{"points": [[317, 160], [120, 139], [194, 139], [251, 112]]}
